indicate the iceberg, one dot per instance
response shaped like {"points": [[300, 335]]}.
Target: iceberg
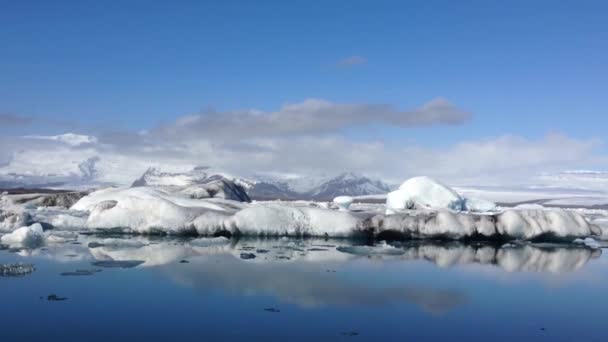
{"points": [[343, 202], [554, 224], [423, 193], [421, 209], [29, 236], [478, 205], [194, 184], [144, 210]]}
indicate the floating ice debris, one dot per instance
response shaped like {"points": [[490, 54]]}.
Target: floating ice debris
{"points": [[16, 270], [81, 272], [247, 256], [589, 242], [55, 298], [382, 249], [118, 263]]}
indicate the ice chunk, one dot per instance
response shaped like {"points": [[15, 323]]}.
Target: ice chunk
{"points": [[478, 205], [13, 217], [421, 193], [589, 242], [343, 202], [381, 249], [30, 236], [529, 206]]}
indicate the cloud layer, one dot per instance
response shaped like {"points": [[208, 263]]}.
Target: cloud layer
{"points": [[302, 139]]}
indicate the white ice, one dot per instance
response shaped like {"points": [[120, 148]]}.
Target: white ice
{"points": [[343, 202], [423, 193], [25, 236]]}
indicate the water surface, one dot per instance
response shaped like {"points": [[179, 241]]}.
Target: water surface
{"points": [[142, 288]]}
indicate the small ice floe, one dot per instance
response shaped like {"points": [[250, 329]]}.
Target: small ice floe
{"points": [[55, 298], [382, 249], [30, 236], [589, 242], [118, 263], [343, 202], [247, 256], [16, 270], [81, 272]]}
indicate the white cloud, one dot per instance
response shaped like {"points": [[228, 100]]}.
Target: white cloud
{"points": [[312, 116], [502, 160], [302, 138]]}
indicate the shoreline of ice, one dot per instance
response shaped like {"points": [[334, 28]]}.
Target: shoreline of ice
{"points": [[420, 209]]}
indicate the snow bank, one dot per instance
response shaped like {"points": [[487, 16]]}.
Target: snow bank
{"points": [[423, 193], [25, 236]]}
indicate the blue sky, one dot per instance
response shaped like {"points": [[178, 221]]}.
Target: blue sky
{"points": [[524, 68]]}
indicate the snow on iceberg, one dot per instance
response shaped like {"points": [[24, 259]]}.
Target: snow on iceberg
{"points": [[154, 210], [423, 193], [144, 210], [194, 184], [478, 205], [282, 220], [511, 224], [29, 236], [343, 202]]}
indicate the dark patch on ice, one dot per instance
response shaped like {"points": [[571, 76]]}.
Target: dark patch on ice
{"points": [[262, 251], [81, 272], [325, 246], [76, 243], [184, 262], [282, 257], [55, 298], [247, 256], [71, 255], [95, 245], [118, 263], [317, 250], [247, 248], [272, 310], [16, 270]]}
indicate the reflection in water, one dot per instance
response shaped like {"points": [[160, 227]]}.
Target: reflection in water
{"points": [[303, 271]]}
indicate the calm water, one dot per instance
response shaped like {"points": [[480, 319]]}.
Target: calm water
{"points": [[199, 289]]}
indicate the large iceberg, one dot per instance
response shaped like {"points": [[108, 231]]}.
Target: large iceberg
{"points": [[145, 210], [153, 210], [194, 184], [551, 224]]}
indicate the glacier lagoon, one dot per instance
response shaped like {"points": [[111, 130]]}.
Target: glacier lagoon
{"points": [[128, 287]]}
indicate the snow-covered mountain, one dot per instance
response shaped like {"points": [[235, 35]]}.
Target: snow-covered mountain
{"points": [[347, 183]]}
